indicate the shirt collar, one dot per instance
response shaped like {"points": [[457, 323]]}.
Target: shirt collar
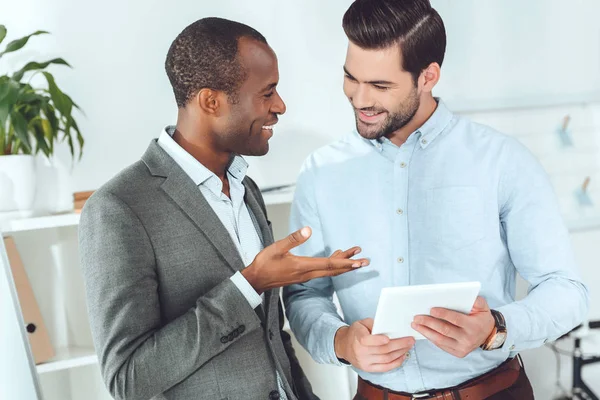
{"points": [[428, 132], [192, 167]]}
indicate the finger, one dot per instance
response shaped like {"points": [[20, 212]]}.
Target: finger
{"points": [[374, 341], [387, 357], [335, 253], [455, 318], [310, 264], [348, 253], [443, 342], [387, 367], [404, 344], [293, 240], [439, 325], [322, 274]]}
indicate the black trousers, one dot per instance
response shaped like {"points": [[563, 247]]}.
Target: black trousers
{"points": [[520, 390]]}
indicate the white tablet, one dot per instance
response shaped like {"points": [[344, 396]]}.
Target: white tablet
{"points": [[398, 306]]}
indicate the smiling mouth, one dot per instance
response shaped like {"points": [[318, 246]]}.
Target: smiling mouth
{"points": [[370, 116]]}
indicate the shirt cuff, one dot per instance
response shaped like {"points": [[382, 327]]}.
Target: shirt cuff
{"points": [[518, 324], [331, 357], [247, 290]]}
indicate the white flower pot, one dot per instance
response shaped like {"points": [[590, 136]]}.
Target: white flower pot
{"points": [[17, 183]]}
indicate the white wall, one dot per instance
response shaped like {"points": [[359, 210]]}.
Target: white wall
{"points": [[500, 53]]}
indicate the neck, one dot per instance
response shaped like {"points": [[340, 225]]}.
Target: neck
{"points": [[424, 112], [200, 145]]}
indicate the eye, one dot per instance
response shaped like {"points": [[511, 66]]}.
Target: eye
{"points": [[349, 78], [270, 94], [382, 88]]}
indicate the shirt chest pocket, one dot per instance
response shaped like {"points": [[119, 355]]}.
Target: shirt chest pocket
{"points": [[454, 216]]}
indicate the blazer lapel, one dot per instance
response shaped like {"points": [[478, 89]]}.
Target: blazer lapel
{"points": [[182, 190], [255, 208]]}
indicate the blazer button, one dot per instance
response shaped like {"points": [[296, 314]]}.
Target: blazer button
{"points": [[224, 339], [230, 337], [274, 395], [236, 333], [271, 338], [241, 329]]}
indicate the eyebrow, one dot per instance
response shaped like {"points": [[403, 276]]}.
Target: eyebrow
{"points": [[369, 82]]}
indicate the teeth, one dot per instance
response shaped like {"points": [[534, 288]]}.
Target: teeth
{"points": [[268, 127]]}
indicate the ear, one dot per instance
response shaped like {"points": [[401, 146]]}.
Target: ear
{"points": [[429, 77], [209, 101]]}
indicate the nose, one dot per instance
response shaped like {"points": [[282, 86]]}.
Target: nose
{"points": [[358, 94], [359, 97], [278, 106]]}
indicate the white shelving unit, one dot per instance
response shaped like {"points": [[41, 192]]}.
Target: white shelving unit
{"points": [[70, 357]]}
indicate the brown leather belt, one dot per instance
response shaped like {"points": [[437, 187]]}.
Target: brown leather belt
{"points": [[482, 387]]}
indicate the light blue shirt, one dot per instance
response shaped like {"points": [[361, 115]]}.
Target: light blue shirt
{"points": [[456, 202], [232, 211]]}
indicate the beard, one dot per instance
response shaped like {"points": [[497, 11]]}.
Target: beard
{"points": [[394, 120]]}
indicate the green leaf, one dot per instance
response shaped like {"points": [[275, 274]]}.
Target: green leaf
{"points": [[2, 33], [51, 134], [38, 126], [19, 43], [61, 101], [21, 131], [2, 140], [34, 66], [9, 92]]}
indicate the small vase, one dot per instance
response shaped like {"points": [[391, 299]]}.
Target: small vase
{"points": [[17, 183]]}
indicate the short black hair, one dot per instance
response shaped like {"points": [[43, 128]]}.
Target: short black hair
{"points": [[205, 55], [412, 24]]}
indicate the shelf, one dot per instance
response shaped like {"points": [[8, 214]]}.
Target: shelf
{"points": [[279, 197], [67, 358], [36, 223], [72, 219], [527, 102], [583, 224]]}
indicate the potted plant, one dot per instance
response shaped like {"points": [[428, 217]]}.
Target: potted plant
{"points": [[33, 119]]}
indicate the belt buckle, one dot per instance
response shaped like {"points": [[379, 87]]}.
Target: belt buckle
{"points": [[420, 395]]}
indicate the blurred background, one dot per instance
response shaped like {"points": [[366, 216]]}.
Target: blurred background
{"points": [[529, 69]]}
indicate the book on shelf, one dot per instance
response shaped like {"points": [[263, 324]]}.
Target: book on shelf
{"points": [[79, 199], [39, 340]]}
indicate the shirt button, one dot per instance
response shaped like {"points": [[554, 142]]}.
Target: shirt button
{"points": [[512, 347], [402, 164], [424, 141], [399, 211], [400, 260], [407, 356]]}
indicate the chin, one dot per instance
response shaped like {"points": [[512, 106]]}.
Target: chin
{"points": [[371, 133], [258, 151]]}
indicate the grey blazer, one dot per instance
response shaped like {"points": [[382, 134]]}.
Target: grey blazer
{"points": [[166, 320]]}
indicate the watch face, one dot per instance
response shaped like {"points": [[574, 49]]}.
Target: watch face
{"points": [[499, 340]]}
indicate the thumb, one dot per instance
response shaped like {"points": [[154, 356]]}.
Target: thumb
{"points": [[367, 323], [480, 305], [293, 240]]}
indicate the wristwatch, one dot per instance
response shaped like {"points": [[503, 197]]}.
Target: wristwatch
{"points": [[498, 335]]}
